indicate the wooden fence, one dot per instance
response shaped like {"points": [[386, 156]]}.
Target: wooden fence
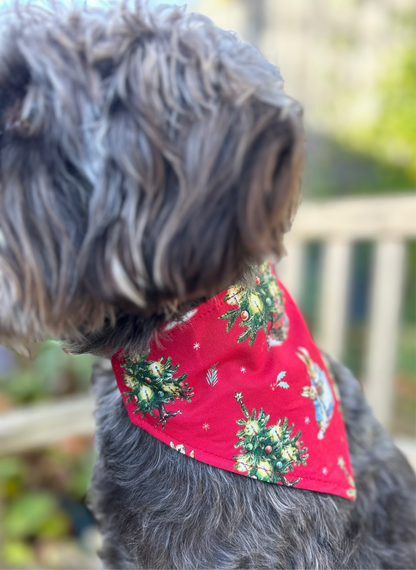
{"points": [[389, 222]]}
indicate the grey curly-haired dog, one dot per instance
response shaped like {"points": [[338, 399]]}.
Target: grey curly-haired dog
{"points": [[148, 160]]}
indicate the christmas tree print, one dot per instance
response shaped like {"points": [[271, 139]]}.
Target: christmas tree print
{"points": [[352, 492], [267, 452], [260, 307], [212, 374], [152, 385]]}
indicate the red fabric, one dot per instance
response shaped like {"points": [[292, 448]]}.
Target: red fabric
{"points": [[282, 372]]}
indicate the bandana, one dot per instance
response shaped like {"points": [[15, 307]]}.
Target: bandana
{"points": [[239, 384]]}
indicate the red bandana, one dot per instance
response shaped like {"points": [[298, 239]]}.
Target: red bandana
{"points": [[239, 384]]}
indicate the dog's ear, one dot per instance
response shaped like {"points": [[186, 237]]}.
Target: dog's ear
{"points": [[202, 157], [47, 104]]}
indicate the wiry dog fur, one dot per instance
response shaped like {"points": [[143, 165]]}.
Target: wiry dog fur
{"points": [[160, 509], [144, 159], [148, 161]]}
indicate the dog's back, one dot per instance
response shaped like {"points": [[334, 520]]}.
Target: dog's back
{"points": [[160, 509]]}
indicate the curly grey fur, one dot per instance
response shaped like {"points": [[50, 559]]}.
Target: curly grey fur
{"points": [[144, 158], [160, 509]]}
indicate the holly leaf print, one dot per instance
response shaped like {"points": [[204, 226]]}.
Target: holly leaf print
{"points": [[279, 382]]}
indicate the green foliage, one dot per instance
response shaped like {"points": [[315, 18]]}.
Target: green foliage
{"points": [[391, 135], [370, 121], [394, 133], [32, 516], [10, 468], [35, 520], [80, 469], [267, 452], [17, 553], [32, 513], [50, 373]]}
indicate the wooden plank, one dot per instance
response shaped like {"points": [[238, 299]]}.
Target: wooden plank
{"points": [[334, 297], [34, 427], [290, 269], [388, 276], [388, 217]]}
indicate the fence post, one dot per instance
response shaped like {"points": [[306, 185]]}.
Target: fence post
{"points": [[334, 296], [290, 269], [388, 277]]}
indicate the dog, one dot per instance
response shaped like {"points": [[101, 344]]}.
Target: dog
{"points": [[149, 161]]}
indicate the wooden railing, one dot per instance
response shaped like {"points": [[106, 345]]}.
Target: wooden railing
{"points": [[35, 427], [389, 222]]}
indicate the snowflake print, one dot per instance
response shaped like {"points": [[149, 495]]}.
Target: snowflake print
{"points": [[243, 369], [197, 346], [205, 426], [307, 420], [325, 471]]}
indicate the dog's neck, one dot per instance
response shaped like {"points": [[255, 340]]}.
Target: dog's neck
{"points": [[133, 332]]}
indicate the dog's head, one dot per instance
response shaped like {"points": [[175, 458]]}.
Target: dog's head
{"points": [[145, 159]]}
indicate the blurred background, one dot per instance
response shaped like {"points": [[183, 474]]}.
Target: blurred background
{"points": [[351, 262]]}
